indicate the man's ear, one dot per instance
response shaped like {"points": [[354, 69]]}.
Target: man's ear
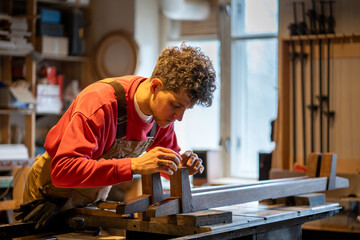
{"points": [[155, 85]]}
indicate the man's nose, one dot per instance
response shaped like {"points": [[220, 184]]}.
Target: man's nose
{"points": [[179, 114]]}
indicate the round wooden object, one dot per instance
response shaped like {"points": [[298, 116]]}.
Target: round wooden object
{"points": [[116, 55]]}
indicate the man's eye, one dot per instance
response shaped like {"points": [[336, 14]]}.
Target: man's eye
{"points": [[175, 105]]}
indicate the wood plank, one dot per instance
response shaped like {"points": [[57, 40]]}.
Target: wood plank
{"points": [[221, 187], [137, 204], [256, 193], [201, 218], [328, 169]]}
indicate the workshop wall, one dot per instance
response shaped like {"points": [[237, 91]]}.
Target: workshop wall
{"points": [[344, 87], [108, 16]]}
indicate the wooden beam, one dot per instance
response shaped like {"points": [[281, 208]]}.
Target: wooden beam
{"points": [[222, 187], [226, 197]]}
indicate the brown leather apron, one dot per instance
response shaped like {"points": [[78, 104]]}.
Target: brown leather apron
{"points": [[40, 175]]}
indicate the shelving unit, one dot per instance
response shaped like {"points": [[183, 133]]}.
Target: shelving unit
{"points": [[72, 67]]}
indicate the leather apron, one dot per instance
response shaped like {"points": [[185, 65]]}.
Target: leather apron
{"points": [[40, 174]]}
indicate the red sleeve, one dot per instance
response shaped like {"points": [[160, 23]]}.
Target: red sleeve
{"points": [[73, 164]]}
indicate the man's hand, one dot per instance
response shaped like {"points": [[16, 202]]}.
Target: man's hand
{"points": [[192, 162], [158, 159]]}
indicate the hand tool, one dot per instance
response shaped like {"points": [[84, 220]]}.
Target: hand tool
{"points": [[312, 107], [294, 31], [303, 31]]}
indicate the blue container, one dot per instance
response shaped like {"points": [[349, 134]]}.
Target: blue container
{"points": [[49, 15]]}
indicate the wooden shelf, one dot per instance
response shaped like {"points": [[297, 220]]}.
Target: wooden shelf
{"points": [[26, 111], [15, 53], [64, 58], [324, 36], [63, 4]]}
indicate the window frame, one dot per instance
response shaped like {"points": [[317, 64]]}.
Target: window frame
{"points": [[226, 43]]}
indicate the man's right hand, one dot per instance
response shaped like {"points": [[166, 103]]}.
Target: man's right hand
{"points": [[158, 159]]}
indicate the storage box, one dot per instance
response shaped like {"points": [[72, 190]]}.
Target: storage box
{"points": [[48, 99], [50, 29], [49, 15], [16, 97], [53, 45]]}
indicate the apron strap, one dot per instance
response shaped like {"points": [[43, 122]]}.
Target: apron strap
{"points": [[121, 104], [122, 112], [152, 132]]}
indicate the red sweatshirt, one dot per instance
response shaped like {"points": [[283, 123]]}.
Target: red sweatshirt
{"points": [[88, 129]]}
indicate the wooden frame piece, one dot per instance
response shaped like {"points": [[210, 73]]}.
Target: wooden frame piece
{"points": [[183, 200], [152, 193]]}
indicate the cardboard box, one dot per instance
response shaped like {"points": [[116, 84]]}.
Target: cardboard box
{"points": [[48, 99], [53, 45], [16, 97]]}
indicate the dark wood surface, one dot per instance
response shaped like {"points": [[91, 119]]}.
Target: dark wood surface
{"points": [[247, 219]]}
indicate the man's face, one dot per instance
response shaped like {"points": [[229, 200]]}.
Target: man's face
{"points": [[168, 106]]}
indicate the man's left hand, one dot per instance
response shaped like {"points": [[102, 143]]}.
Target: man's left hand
{"points": [[192, 162]]}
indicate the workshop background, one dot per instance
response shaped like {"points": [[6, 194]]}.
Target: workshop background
{"points": [[266, 77]]}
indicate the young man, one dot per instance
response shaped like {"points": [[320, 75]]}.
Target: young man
{"points": [[101, 138]]}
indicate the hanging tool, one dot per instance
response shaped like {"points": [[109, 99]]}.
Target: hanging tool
{"points": [[329, 114], [321, 97], [303, 30], [294, 31], [331, 20], [312, 107]]}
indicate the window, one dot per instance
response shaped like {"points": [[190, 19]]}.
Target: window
{"points": [[253, 83]]}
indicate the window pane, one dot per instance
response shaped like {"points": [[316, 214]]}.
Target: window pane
{"points": [[200, 127], [253, 17], [254, 103]]}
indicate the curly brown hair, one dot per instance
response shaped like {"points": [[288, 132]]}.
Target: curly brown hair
{"points": [[187, 68]]}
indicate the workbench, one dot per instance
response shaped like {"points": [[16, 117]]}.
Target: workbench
{"points": [[214, 212], [249, 221]]}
